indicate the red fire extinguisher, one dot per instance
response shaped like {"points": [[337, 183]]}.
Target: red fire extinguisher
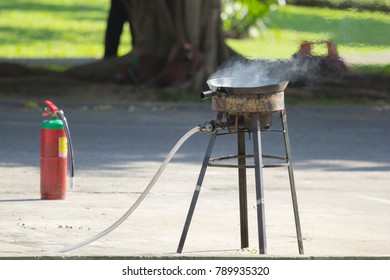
{"points": [[56, 144]]}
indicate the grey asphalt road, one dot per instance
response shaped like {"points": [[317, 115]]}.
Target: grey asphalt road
{"points": [[341, 163]]}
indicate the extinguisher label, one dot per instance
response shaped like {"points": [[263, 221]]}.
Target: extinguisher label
{"points": [[62, 147]]}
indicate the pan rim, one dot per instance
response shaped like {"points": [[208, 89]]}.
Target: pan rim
{"points": [[271, 82]]}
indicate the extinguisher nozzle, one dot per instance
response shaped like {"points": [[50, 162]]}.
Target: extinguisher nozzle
{"points": [[72, 183]]}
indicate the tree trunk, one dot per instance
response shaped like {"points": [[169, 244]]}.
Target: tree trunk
{"points": [[175, 42]]}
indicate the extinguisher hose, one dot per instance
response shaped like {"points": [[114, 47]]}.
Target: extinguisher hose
{"points": [[140, 198], [61, 115]]}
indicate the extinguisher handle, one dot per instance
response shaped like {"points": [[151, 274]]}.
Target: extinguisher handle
{"points": [[51, 108]]}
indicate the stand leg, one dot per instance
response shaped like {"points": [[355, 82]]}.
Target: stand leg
{"points": [[256, 128], [292, 181], [196, 193], [242, 190]]}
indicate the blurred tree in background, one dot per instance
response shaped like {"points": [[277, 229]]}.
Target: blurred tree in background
{"points": [[179, 42]]}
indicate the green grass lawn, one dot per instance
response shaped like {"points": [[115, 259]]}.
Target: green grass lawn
{"points": [[75, 28], [354, 32], [366, 2], [54, 28]]}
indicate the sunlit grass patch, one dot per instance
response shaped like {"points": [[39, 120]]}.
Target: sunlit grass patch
{"points": [[54, 28], [354, 32]]}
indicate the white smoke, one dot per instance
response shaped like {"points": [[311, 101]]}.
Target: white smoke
{"points": [[264, 72]]}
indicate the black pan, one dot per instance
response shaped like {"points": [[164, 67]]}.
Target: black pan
{"points": [[236, 86]]}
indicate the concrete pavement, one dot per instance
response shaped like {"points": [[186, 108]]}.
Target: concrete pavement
{"points": [[341, 164]]}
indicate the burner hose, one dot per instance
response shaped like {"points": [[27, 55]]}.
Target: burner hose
{"points": [[140, 198]]}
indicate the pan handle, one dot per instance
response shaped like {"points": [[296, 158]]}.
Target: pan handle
{"points": [[207, 94]]}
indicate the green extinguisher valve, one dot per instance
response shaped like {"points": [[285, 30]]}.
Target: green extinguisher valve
{"points": [[52, 124]]}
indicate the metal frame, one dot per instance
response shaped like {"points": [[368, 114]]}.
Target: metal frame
{"points": [[242, 180]]}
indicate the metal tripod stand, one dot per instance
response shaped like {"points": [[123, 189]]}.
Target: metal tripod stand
{"points": [[256, 129]]}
